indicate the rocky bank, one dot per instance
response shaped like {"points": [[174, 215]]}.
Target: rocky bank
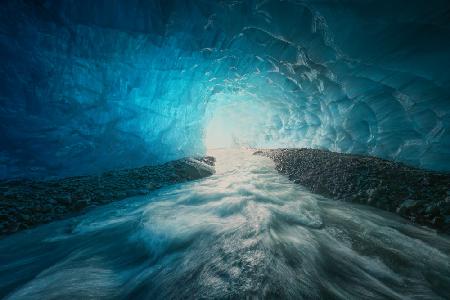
{"points": [[27, 203], [419, 195]]}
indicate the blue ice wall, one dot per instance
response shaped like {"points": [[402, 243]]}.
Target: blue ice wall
{"points": [[92, 85]]}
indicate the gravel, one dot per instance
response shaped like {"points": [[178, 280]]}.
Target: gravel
{"points": [[27, 203], [419, 195]]}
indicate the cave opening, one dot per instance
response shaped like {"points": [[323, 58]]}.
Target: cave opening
{"points": [[279, 149], [239, 120], [148, 83]]}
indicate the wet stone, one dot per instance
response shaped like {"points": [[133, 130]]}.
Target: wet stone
{"points": [[419, 195], [27, 203]]}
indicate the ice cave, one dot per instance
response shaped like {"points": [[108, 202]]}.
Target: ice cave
{"points": [[225, 149]]}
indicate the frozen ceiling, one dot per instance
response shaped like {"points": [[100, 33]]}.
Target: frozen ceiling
{"points": [[92, 85]]}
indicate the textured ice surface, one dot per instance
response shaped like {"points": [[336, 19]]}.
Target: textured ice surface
{"points": [[99, 84]]}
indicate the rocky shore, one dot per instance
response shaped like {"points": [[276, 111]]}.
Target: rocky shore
{"points": [[419, 195], [27, 203]]}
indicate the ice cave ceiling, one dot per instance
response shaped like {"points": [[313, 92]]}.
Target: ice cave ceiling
{"points": [[89, 85]]}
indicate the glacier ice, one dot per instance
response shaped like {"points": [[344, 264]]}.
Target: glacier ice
{"points": [[93, 85]]}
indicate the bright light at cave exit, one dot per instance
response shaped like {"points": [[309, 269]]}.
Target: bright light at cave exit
{"points": [[236, 124], [218, 134]]}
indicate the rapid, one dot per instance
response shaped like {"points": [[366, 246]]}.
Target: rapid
{"points": [[244, 232]]}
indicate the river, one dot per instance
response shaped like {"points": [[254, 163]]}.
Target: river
{"points": [[245, 232]]}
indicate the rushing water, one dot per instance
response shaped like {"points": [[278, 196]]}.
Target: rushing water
{"points": [[245, 232]]}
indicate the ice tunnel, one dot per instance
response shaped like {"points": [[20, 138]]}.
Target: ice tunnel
{"points": [[88, 85], [225, 149]]}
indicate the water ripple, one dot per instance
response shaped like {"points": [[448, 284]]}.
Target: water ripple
{"points": [[244, 232]]}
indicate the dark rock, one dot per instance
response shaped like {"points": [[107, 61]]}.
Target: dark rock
{"points": [[409, 206], [437, 221], [24, 217], [3, 217], [370, 180], [432, 210], [65, 199], [446, 220], [26, 203], [209, 160], [80, 204]]}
